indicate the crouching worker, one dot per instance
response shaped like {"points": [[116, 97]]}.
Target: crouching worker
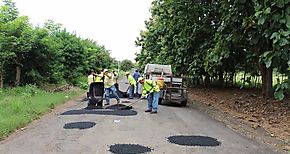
{"points": [[132, 85], [151, 91]]}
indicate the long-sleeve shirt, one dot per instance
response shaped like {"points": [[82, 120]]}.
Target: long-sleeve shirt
{"points": [[131, 80], [136, 75], [108, 80], [149, 86]]}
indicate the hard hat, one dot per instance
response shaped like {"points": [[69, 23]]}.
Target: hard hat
{"points": [[127, 73], [140, 79], [106, 70]]}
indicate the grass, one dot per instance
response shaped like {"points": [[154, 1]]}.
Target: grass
{"points": [[20, 106], [276, 76]]}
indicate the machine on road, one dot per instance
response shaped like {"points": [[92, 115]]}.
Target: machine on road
{"points": [[172, 88]]}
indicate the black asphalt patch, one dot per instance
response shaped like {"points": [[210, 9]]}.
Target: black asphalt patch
{"points": [[79, 125], [101, 112], [129, 149], [116, 106], [126, 101], [194, 140], [94, 107]]}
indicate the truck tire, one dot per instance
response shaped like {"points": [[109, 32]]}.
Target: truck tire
{"points": [[160, 101], [184, 98]]}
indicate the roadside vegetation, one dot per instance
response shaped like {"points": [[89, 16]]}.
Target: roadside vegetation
{"points": [[212, 42], [37, 59], [19, 106]]}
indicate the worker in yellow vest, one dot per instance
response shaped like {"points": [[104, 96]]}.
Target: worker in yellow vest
{"points": [[132, 85], [91, 77], [151, 91]]}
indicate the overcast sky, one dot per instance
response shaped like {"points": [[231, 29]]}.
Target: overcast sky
{"points": [[113, 23]]}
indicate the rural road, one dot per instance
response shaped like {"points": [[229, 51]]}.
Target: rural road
{"points": [[51, 135]]}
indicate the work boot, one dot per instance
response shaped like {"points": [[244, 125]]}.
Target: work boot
{"points": [[148, 110], [153, 112]]}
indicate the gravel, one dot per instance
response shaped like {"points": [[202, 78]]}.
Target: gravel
{"points": [[102, 112], [79, 125], [194, 140], [129, 149]]}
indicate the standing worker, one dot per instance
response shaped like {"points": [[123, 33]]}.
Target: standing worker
{"points": [[136, 75], [151, 91], [132, 85], [109, 87], [91, 77], [116, 76]]}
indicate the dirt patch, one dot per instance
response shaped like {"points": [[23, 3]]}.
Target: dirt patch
{"points": [[79, 125], [194, 140], [101, 112], [249, 107], [129, 149]]}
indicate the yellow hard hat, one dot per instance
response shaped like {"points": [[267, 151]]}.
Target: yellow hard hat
{"points": [[140, 79], [127, 73]]}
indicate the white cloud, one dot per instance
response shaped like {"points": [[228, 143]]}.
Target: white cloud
{"points": [[113, 23]]}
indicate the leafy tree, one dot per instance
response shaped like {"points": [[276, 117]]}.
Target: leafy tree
{"points": [[213, 40], [126, 65]]}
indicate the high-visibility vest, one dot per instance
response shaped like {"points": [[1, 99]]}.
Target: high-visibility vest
{"points": [[149, 86], [131, 80], [91, 79]]}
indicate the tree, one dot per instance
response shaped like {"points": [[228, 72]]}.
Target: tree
{"points": [[126, 65]]}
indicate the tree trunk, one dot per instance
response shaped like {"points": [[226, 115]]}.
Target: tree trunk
{"points": [[267, 81], [18, 75], [1, 75], [221, 78], [207, 80]]}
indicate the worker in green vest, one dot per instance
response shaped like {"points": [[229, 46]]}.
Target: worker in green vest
{"points": [[151, 91], [132, 85]]}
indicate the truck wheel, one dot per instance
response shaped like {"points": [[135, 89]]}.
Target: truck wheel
{"points": [[183, 101], [160, 101]]}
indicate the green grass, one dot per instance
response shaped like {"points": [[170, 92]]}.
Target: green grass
{"points": [[276, 76], [20, 106]]}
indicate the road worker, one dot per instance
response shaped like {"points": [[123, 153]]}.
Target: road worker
{"points": [[132, 84], [151, 91], [109, 86]]}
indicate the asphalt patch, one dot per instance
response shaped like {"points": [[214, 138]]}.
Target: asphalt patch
{"points": [[116, 106], [126, 101], [101, 112], [94, 107], [129, 149], [79, 125], [194, 140]]}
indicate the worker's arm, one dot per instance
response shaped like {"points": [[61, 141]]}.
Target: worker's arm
{"points": [[152, 84], [109, 75]]}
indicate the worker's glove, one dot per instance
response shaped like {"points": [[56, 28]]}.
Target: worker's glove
{"points": [[145, 97]]}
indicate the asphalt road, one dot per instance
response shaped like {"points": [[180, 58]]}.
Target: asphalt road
{"points": [[57, 132]]}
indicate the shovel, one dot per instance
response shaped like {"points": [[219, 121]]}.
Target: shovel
{"points": [[128, 107]]}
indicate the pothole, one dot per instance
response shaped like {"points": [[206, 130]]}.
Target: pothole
{"points": [[129, 149], [194, 140], [101, 112], [79, 125]]}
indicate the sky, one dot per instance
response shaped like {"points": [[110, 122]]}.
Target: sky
{"points": [[113, 23]]}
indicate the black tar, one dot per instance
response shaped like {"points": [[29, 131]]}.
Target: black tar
{"points": [[129, 149], [194, 140], [79, 125]]}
